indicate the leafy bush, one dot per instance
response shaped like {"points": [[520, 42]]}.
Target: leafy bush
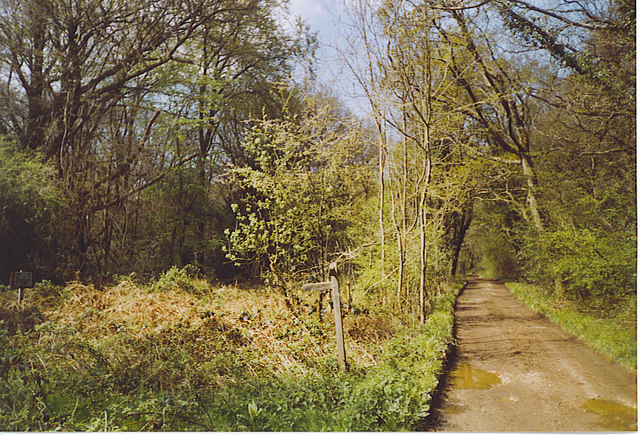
{"points": [[396, 394], [185, 279], [583, 264], [298, 197], [32, 214]]}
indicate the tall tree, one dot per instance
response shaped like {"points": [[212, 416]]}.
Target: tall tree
{"points": [[411, 74], [85, 85]]}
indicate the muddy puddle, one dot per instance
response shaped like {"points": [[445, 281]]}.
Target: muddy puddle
{"points": [[613, 415], [467, 376]]}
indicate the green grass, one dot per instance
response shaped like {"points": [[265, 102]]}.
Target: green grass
{"points": [[614, 337], [393, 395]]}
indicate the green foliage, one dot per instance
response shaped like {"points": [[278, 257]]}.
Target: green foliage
{"points": [[599, 61], [498, 257], [493, 236], [301, 189], [185, 279], [395, 394], [210, 377], [254, 419], [174, 133], [31, 214], [610, 330], [179, 208], [584, 264]]}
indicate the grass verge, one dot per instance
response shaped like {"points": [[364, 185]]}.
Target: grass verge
{"points": [[392, 395], [613, 337], [180, 355]]}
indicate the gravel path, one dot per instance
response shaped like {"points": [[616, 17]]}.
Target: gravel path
{"points": [[516, 371]]}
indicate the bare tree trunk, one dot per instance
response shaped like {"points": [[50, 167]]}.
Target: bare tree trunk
{"points": [[459, 240], [400, 240], [532, 200], [381, 166], [369, 82], [35, 89], [428, 110], [423, 227]]}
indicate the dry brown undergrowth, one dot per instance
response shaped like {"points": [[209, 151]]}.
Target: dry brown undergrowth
{"points": [[259, 317]]}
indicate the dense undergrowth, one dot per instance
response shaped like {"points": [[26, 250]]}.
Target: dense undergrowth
{"points": [[178, 354], [611, 331]]}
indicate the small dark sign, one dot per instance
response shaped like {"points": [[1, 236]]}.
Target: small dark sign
{"points": [[22, 280]]}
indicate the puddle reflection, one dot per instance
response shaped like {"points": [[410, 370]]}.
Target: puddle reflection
{"points": [[467, 376], [613, 415]]}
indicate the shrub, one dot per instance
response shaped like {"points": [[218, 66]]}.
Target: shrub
{"points": [[32, 214], [185, 279], [583, 264]]}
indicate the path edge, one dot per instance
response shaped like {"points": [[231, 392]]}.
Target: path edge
{"points": [[432, 420]]}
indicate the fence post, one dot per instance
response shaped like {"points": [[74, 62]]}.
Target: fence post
{"points": [[337, 310]]}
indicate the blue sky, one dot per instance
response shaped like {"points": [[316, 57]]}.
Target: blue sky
{"points": [[315, 12], [321, 16], [326, 17]]}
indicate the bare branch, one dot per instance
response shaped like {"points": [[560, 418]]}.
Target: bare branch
{"points": [[558, 16]]}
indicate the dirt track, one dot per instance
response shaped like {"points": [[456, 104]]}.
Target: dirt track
{"points": [[516, 371]]}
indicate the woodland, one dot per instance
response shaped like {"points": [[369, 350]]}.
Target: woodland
{"points": [[182, 156]]}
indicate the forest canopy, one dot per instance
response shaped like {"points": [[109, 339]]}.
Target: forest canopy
{"points": [[137, 136]]}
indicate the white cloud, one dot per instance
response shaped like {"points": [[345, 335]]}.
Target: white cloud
{"points": [[309, 9]]}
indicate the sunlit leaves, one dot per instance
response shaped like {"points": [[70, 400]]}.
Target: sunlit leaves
{"points": [[306, 172]]}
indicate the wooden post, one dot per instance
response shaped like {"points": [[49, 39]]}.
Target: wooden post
{"points": [[335, 287]]}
